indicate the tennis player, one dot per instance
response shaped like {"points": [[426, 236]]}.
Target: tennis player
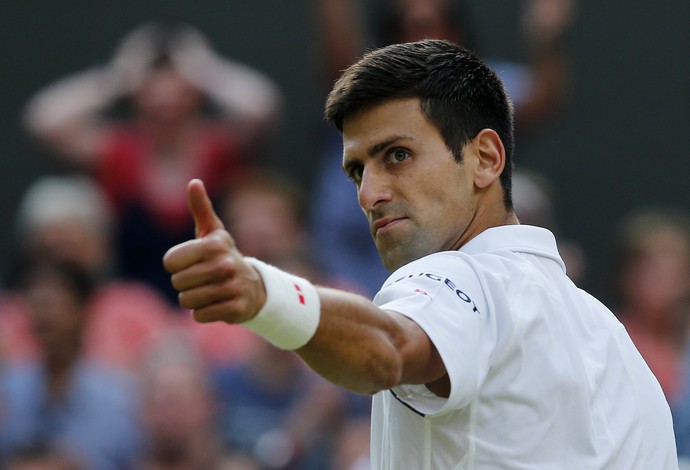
{"points": [[479, 350]]}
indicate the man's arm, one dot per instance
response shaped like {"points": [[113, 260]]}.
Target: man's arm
{"points": [[356, 344], [361, 347]]}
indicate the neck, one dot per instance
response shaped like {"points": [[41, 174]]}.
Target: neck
{"points": [[485, 219]]}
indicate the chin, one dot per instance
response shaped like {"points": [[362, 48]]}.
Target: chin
{"points": [[389, 261]]}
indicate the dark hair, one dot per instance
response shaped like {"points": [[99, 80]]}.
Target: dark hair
{"points": [[458, 92]]}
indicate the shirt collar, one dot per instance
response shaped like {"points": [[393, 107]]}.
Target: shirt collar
{"points": [[518, 238]]}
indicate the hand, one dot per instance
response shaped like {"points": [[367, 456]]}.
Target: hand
{"points": [[209, 272], [134, 57], [193, 57]]}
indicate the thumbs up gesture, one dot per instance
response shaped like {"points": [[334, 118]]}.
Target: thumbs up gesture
{"points": [[209, 271]]}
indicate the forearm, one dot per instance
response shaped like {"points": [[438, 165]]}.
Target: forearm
{"points": [[243, 93], [65, 115], [356, 345], [74, 98]]}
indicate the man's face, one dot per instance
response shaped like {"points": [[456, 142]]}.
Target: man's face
{"points": [[417, 198], [56, 315]]}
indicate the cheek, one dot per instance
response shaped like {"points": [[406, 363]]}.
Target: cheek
{"points": [[448, 212], [449, 197]]}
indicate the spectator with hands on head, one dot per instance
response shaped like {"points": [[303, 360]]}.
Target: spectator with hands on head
{"points": [[193, 114]]}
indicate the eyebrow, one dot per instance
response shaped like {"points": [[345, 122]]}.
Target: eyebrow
{"points": [[376, 148]]}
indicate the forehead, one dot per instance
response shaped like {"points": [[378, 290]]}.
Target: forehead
{"points": [[392, 119]]}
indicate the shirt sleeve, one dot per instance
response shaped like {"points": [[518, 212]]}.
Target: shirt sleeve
{"points": [[442, 293]]}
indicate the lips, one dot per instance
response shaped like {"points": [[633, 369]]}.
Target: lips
{"points": [[382, 223]]}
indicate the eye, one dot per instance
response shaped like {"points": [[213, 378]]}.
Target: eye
{"points": [[398, 155], [355, 173]]}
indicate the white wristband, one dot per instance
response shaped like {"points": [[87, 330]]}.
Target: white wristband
{"points": [[290, 316]]}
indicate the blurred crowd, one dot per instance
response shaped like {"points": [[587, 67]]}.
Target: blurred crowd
{"points": [[99, 366]]}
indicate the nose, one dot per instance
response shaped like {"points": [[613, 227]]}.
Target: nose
{"points": [[374, 188]]}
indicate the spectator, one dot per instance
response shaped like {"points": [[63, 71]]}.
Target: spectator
{"points": [[178, 409], [652, 282], [276, 410], [167, 74], [267, 212], [652, 285], [61, 400], [66, 218]]}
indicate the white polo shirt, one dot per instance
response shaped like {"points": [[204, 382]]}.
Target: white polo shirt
{"points": [[543, 376]]}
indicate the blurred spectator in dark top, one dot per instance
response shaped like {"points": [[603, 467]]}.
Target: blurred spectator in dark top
{"points": [[278, 411], [167, 74], [66, 218], [538, 89], [61, 400]]}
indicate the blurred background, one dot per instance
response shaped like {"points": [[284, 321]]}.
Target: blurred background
{"points": [[96, 155]]}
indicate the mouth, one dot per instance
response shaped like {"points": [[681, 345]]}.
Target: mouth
{"points": [[383, 224]]}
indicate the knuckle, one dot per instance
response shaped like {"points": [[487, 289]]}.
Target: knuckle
{"points": [[176, 282], [226, 267], [218, 242], [202, 316], [186, 301]]}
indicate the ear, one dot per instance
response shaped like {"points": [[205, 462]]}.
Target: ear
{"points": [[491, 157]]}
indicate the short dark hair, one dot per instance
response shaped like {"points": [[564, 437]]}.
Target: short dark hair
{"points": [[458, 92]]}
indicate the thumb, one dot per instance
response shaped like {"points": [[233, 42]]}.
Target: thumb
{"points": [[205, 218]]}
